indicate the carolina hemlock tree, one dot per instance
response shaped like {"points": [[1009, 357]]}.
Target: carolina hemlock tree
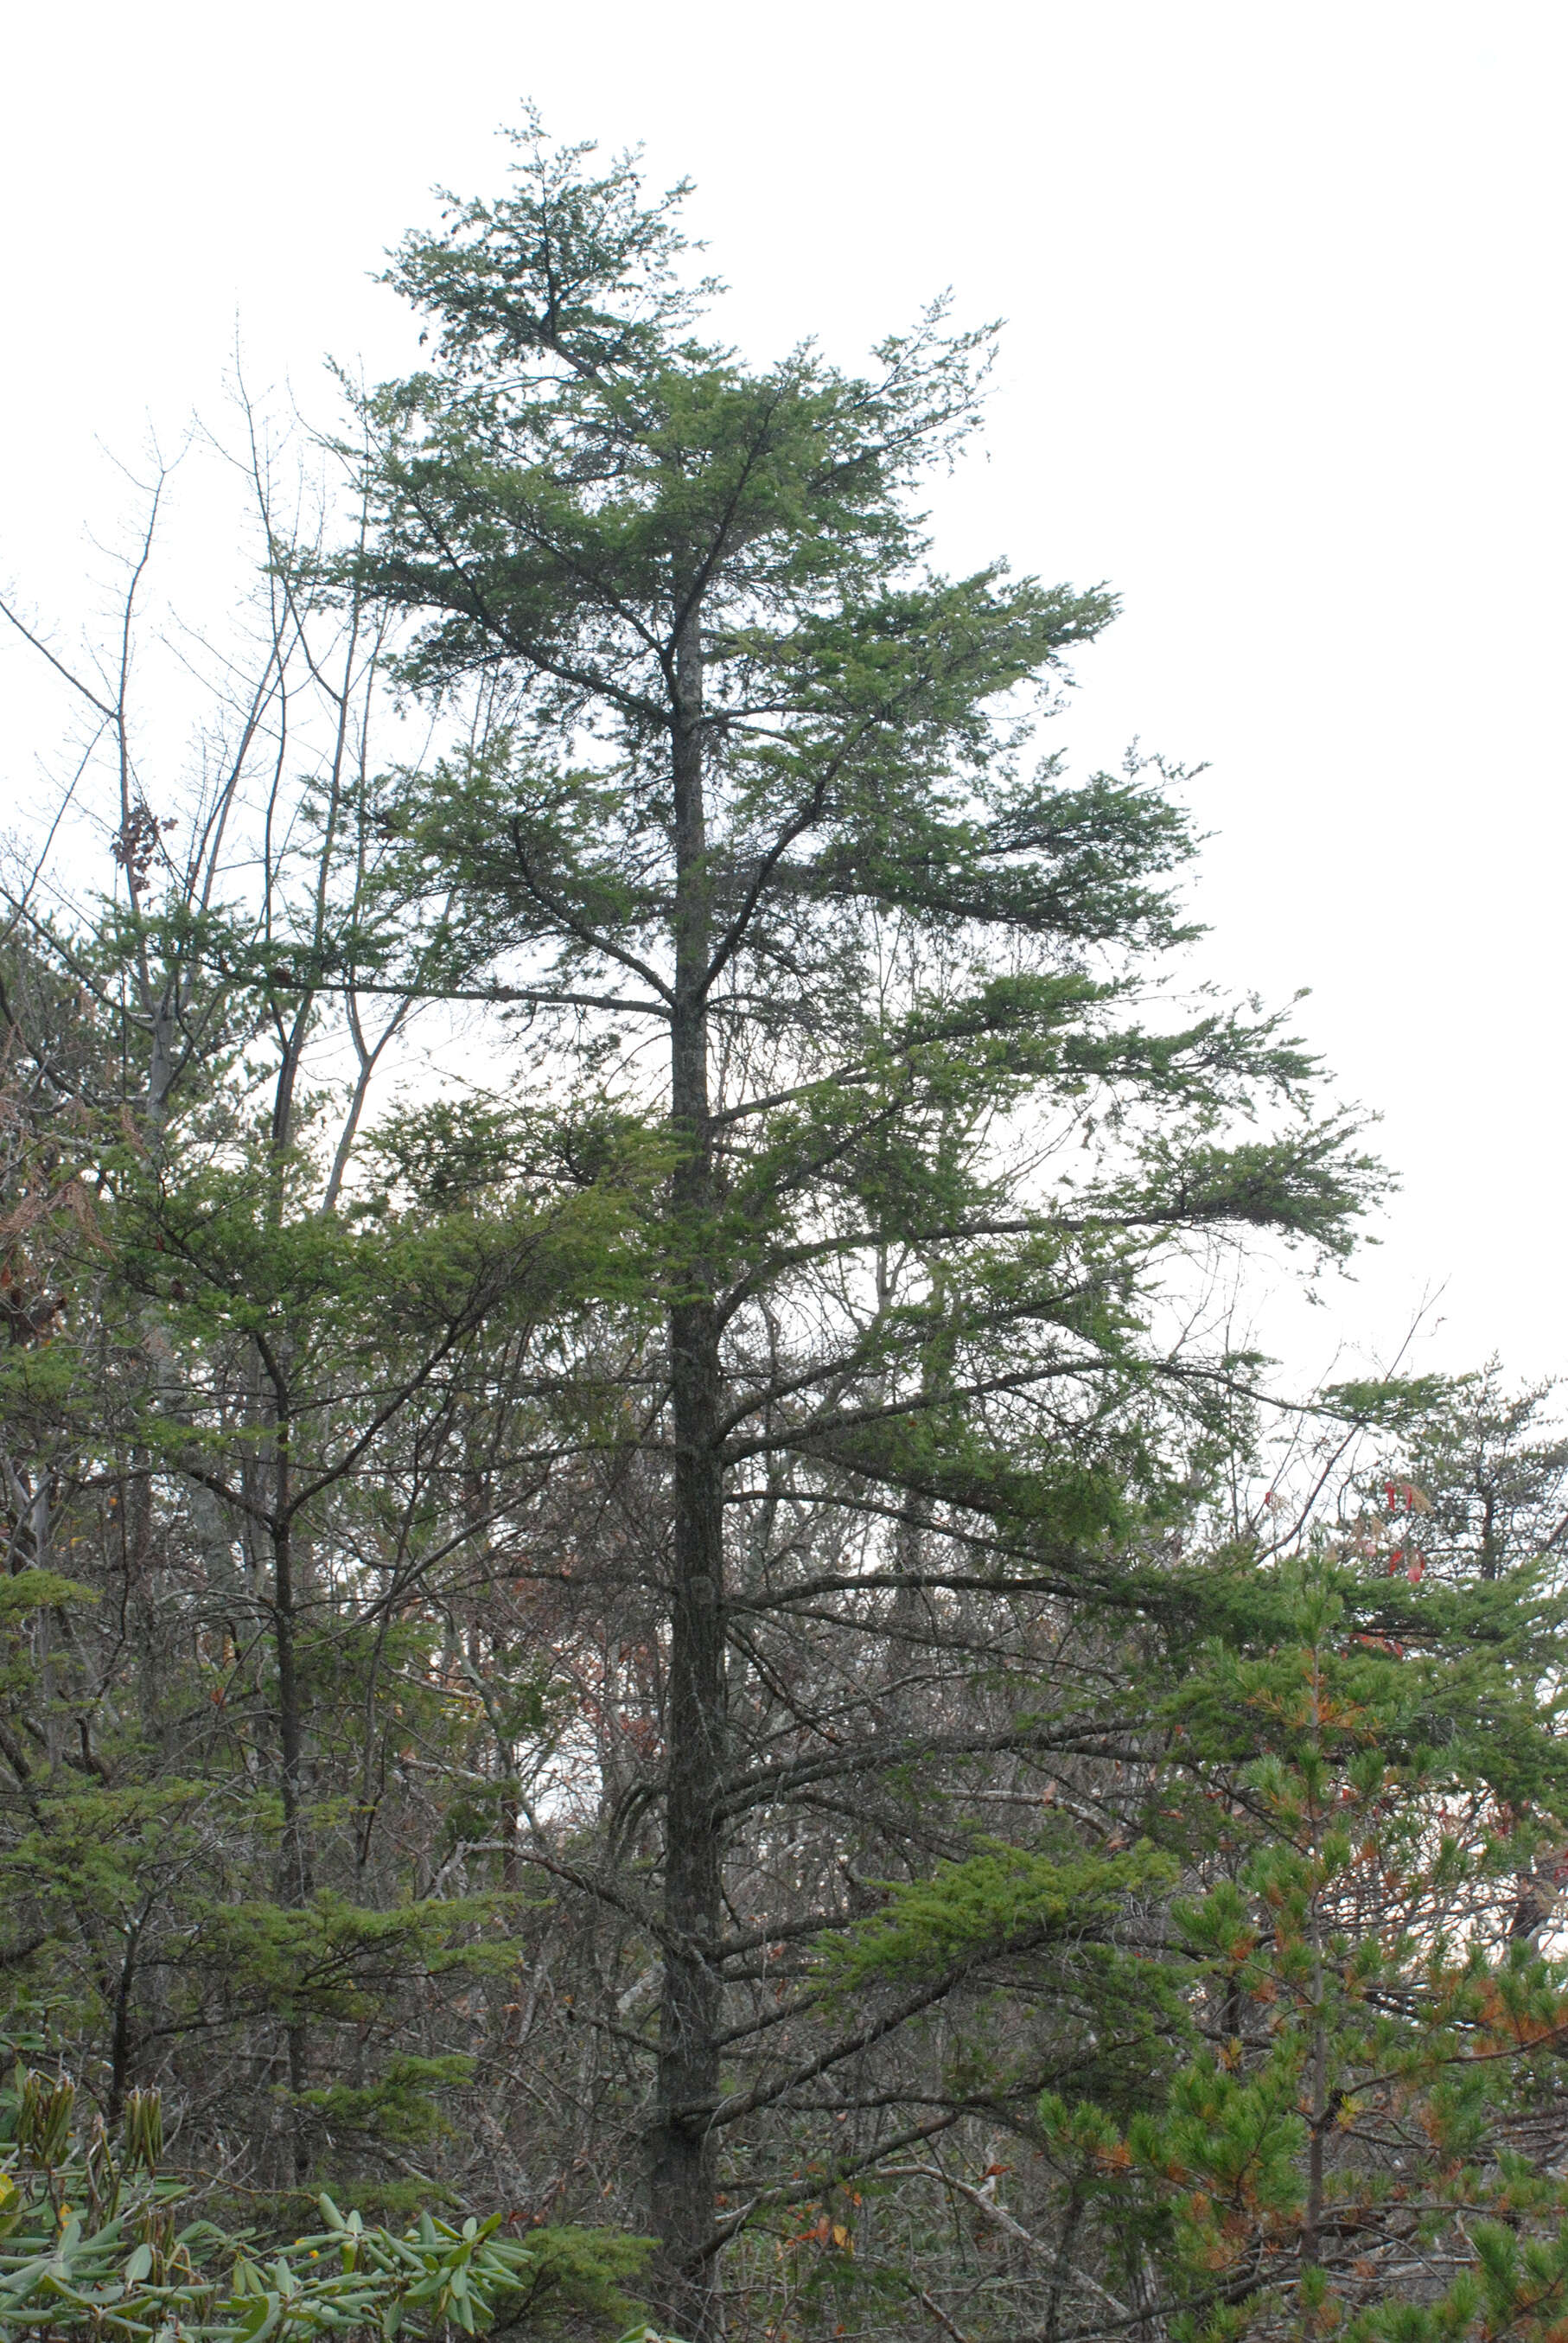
{"points": [[843, 981]]}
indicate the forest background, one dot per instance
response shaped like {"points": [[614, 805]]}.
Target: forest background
{"points": [[426, 1642]]}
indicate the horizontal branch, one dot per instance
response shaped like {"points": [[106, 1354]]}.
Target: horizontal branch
{"points": [[1081, 1738]]}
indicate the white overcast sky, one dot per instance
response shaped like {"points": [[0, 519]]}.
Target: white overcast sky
{"points": [[1284, 364]]}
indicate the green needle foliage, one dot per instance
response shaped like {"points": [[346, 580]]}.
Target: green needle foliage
{"points": [[1369, 2054]]}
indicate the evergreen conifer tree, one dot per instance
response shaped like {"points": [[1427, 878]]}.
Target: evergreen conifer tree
{"points": [[749, 824]]}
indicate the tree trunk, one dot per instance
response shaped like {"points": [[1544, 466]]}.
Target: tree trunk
{"points": [[294, 1882], [681, 2147]]}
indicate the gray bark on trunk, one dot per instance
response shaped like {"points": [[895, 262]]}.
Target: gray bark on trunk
{"points": [[681, 2146]]}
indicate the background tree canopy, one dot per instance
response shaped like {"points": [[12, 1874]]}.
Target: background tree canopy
{"points": [[673, 1618]]}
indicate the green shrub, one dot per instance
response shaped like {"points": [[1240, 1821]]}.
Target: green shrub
{"points": [[93, 2244]]}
